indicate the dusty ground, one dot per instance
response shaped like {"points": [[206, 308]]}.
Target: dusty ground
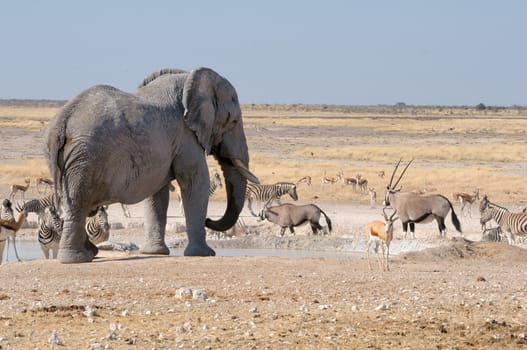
{"points": [[455, 293]]}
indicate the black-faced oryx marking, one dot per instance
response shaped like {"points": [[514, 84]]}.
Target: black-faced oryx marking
{"points": [[413, 208]]}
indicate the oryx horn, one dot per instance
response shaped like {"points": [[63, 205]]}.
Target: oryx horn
{"points": [[393, 174], [400, 177]]}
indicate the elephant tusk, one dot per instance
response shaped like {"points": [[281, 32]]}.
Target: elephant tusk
{"points": [[242, 169]]}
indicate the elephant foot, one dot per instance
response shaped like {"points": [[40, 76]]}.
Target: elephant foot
{"points": [[199, 250], [70, 256], [150, 248]]}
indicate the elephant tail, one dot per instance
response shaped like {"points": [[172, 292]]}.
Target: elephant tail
{"points": [[54, 151]]}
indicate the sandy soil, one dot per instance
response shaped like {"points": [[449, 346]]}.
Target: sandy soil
{"points": [[453, 293], [450, 293]]}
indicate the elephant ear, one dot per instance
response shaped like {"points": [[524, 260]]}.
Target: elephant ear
{"points": [[200, 103]]}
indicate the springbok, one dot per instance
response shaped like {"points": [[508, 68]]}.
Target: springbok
{"points": [[373, 196], [380, 233], [19, 188], [331, 179], [304, 180], [465, 199], [363, 184], [352, 181], [9, 228], [413, 208]]}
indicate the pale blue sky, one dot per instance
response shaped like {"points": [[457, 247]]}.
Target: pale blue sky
{"points": [[448, 52]]}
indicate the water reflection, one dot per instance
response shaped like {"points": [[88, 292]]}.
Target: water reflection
{"points": [[30, 250]]}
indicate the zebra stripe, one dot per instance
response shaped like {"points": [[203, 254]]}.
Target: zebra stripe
{"points": [[49, 232], [511, 223], [215, 182], [38, 205], [268, 193], [6, 212], [97, 226]]}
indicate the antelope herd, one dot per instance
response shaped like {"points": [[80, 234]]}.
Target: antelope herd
{"points": [[419, 206]]}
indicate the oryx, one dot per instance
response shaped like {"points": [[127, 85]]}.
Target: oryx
{"points": [[289, 215], [413, 208]]}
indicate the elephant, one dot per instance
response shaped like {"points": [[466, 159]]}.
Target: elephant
{"points": [[106, 146]]}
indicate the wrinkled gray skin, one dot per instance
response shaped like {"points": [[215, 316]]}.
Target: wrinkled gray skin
{"points": [[108, 146], [289, 215]]}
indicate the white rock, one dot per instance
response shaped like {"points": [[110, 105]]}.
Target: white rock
{"points": [[90, 311], [199, 294], [184, 293], [381, 307], [54, 338]]}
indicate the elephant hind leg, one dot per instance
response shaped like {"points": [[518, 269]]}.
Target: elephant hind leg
{"points": [[156, 208], [74, 244]]}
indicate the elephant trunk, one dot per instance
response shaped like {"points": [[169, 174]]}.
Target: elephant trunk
{"points": [[236, 175]]}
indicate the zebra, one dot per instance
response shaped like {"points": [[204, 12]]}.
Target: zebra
{"points": [[492, 234], [510, 223], [215, 182], [7, 214], [37, 206], [49, 232], [97, 226], [268, 193]]}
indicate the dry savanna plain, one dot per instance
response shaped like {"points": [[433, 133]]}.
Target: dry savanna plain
{"points": [[440, 293]]}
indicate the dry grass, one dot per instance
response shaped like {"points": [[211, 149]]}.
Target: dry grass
{"points": [[501, 153], [403, 124], [25, 116], [455, 149]]}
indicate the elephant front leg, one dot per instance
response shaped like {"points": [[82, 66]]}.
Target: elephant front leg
{"points": [[195, 205], [156, 219]]}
